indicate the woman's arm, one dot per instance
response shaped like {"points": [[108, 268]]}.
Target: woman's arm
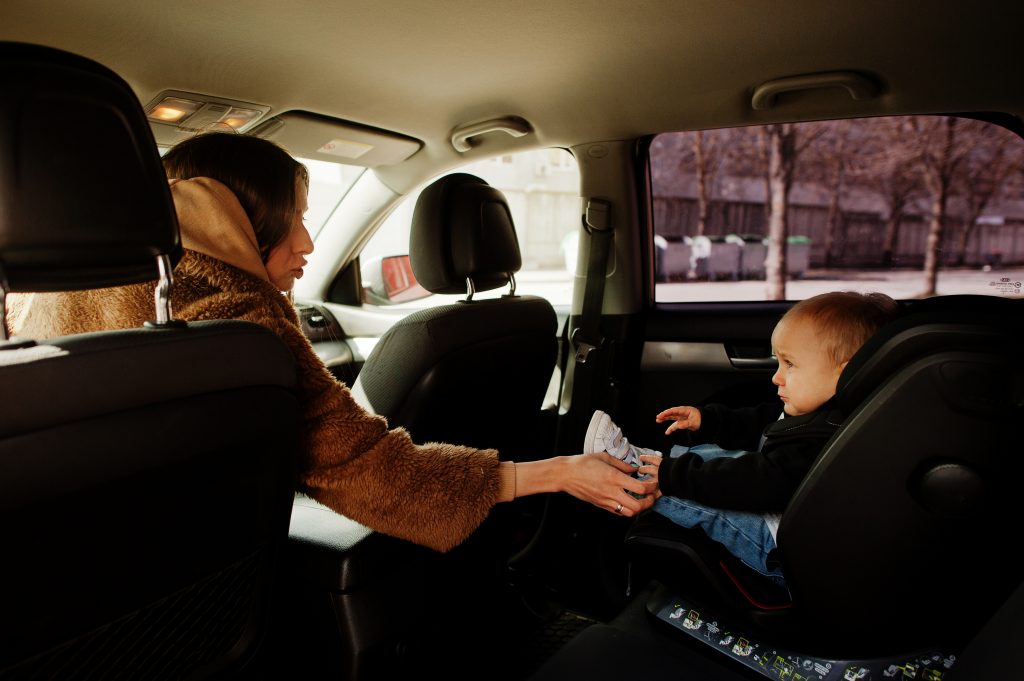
{"points": [[597, 478]]}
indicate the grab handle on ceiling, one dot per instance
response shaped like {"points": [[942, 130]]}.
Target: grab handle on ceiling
{"points": [[510, 125], [858, 85]]}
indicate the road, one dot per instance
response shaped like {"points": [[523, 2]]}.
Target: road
{"points": [[898, 284]]}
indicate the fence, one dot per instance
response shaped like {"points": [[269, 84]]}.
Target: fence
{"points": [[859, 241]]}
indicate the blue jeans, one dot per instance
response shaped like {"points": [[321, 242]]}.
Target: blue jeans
{"points": [[745, 535]]}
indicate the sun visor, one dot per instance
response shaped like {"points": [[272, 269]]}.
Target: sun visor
{"points": [[335, 141]]}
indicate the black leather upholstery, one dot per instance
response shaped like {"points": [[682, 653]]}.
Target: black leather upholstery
{"points": [[113, 234], [146, 475], [462, 229], [474, 372], [902, 534]]}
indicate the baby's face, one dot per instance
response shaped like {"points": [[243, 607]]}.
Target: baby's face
{"points": [[806, 376]]}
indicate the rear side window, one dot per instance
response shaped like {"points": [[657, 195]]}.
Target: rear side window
{"points": [[912, 206]]}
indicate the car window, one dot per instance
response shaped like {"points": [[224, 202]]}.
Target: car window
{"points": [[912, 206], [543, 192]]}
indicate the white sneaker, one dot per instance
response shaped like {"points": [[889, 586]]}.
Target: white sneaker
{"points": [[604, 436]]}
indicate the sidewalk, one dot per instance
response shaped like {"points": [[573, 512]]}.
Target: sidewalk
{"points": [[902, 284]]}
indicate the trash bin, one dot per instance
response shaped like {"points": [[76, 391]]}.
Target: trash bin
{"points": [[675, 260], [992, 260], [700, 249], [755, 250], [798, 256], [724, 257]]}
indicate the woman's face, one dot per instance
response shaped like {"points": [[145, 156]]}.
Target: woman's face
{"points": [[286, 260]]}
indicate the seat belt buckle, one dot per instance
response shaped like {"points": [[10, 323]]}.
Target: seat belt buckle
{"points": [[584, 348]]}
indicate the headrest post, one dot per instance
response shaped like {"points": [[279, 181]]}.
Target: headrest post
{"points": [[470, 288], [3, 315], [163, 290], [512, 283], [3, 305]]}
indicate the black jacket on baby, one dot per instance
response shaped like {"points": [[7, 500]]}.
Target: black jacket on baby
{"points": [[780, 452]]}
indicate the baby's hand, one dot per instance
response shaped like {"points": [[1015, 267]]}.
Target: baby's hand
{"points": [[648, 472], [683, 418]]}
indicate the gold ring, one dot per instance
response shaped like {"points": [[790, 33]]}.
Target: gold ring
{"points": [[618, 509]]}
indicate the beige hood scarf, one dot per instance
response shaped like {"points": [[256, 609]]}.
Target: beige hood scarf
{"points": [[214, 223], [434, 494]]}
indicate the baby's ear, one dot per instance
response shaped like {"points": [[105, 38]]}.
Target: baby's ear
{"points": [[840, 367]]}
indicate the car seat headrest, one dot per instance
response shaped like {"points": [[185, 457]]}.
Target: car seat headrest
{"points": [[85, 201], [462, 230]]}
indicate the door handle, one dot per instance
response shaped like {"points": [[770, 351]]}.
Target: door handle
{"points": [[754, 362]]}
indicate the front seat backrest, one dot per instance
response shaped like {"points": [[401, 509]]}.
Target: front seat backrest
{"points": [[474, 372], [145, 474]]}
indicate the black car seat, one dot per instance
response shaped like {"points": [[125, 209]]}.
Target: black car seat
{"points": [[146, 475], [474, 372], [903, 533]]}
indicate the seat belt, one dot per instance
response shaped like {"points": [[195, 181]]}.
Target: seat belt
{"points": [[586, 338], [558, 521]]}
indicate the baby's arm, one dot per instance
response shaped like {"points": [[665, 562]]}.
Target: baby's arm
{"points": [[683, 418]]}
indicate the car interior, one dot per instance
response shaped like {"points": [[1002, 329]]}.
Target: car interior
{"points": [[521, 213]]}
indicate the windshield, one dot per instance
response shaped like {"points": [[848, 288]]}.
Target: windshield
{"points": [[328, 184]]}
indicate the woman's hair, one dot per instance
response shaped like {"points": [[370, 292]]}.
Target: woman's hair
{"points": [[260, 173], [844, 320]]}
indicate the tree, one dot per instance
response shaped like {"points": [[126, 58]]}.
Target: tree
{"points": [[940, 156], [988, 163], [783, 147], [700, 160], [710, 149], [780, 144], [891, 167], [831, 160], [704, 156], [670, 158]]}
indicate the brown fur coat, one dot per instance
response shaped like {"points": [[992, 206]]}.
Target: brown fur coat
{"points": [[435, 494]]}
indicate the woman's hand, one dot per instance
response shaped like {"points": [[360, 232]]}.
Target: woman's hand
{"points": [[603, 480], [683, 418]]}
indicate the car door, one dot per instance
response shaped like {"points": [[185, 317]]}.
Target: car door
{"points": [[862, 214]]}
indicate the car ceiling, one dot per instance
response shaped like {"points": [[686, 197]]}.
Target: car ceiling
{"points": [[578, 71]]}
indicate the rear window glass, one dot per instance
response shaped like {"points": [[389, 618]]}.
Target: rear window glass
{"points": [[912, 206]]}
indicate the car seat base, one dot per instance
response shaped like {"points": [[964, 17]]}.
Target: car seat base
{"points": [[779, 663]]}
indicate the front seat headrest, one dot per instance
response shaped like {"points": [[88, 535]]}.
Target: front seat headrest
{"points": [[462, 229], [85, 201]]}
